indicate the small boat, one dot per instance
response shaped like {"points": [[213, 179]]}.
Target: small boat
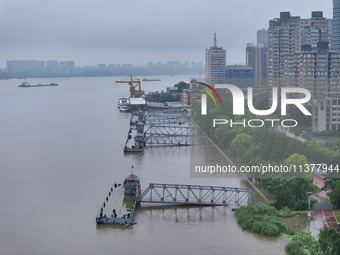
{"points": [[25, 84], [124, 108], [147, 79], [122, 100]]}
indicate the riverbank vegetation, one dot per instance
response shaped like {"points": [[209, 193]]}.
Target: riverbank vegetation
{"points": [[263, 219], [301, 243], [251, 146], [260, 145], [304, 243]]}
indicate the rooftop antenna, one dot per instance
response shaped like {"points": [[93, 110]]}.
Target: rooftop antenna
{"points": [[215, 41]]}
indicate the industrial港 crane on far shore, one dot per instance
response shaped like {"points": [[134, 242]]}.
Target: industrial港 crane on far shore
{"points": [[135, 86]]}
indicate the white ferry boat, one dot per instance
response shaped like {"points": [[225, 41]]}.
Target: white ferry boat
{"points": [[122, 101], [124, 108]]}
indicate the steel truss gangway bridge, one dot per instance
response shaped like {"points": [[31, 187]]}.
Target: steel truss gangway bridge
{"points": [[166, 128], [166, 117], [172, 135], [179, 194]]}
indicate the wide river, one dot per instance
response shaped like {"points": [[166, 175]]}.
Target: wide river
{"points": [[61, 149]]}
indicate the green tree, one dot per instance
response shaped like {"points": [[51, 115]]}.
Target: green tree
{"points": [[301, 164], [281, 189], [329, 241], [166, 97], [261, 101], [241, 145], [182, 85], [334, 195], [334, 145], [302, 242], [224, 135], [296, 114]]}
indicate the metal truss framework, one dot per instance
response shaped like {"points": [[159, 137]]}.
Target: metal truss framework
{"points": [[196, 195], [166, 117], [155, 121], [179, 115], [168, 135]]}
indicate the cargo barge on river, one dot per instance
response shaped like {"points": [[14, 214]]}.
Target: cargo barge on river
{"points": [[25, 84]]}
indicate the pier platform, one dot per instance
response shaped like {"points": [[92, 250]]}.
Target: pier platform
{"points": [[117, 207], [123, 199], [135, 139]]}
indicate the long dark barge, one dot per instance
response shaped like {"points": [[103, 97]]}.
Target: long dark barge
{"points": [[25, 84]]}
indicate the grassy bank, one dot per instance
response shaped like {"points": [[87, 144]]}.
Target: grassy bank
{"points": [[263, 219], [337, 214]]}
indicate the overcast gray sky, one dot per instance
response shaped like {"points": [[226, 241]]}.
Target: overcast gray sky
{"points": [[137, 31]]}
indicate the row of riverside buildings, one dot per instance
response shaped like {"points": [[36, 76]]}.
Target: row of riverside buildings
{"points": [[39, 66], [292, 52]]}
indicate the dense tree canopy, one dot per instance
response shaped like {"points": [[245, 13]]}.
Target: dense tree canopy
{"points": [[334, 195], [329, 240], [182, 85], [256, 146], [273, 146]]}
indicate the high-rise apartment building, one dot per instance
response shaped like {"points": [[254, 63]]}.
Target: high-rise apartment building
{"points": [[256, 57], [300, 55], [317, 70], [336, 26], [287, 34], [215, 63], [310, 68], [262, 37], [326, 113]]}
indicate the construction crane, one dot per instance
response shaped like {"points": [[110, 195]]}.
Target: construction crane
{"points": [[135, 86]]}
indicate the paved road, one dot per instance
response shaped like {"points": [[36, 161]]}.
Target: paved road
{"points": [[323, 218], [319, 181]]}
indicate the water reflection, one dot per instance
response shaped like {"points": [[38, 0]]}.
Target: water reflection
{"points": [[184, 214], [61, 149], [301, 223]]}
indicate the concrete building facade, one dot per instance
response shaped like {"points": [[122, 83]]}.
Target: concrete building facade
{"points": [[215, 63], [288, 34], [256, 57], [336, 26], [192, 95], [262, 37], [300, 55], [317, 70]]}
